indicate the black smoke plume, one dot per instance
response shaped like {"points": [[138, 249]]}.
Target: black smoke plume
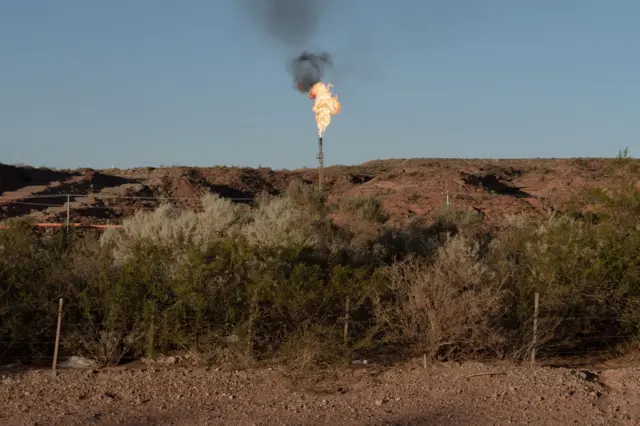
{"points": [[308, 69], [294, 23]]}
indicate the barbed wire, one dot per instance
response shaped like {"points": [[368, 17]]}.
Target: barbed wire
{"points": [[572, 340], [28, 203], [584, 355]]}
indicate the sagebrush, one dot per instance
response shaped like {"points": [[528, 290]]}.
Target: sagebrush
{"points": [[294, 278]]}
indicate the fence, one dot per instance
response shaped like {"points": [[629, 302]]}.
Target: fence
{"points": [[583, 352], [26, 204], [539, 336]]}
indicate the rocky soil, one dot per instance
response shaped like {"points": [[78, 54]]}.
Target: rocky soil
{"points": [[407, 188], [444, 394]]}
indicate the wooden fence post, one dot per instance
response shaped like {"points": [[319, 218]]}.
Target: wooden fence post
{"points": [[55, 350], [346, 322], [534, 340]]}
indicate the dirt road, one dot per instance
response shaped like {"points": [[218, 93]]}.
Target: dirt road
{"points": [[438, 395]]}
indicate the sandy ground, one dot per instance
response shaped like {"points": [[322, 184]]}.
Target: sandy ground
{"points": [[438, 395]]}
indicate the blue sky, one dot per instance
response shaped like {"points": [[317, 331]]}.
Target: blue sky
{"points": [[195, 82]]}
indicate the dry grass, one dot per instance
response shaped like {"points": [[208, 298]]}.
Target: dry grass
{"points": [[448, 307]]}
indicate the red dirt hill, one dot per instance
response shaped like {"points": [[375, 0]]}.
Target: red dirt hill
{"points": [[406, 187]]}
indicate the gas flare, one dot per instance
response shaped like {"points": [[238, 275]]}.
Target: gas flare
{"points": [[325, 105]]}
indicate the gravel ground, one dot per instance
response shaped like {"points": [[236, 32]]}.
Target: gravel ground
{"points": [[450, 394]]}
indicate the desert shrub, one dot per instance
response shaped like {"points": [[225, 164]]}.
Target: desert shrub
{"points": [[587, 275], [423, 236], [306, 197], [174, 228], [152, 303], [260, 302], [450, 220], [33, 275], [277, 222], [360, 222], [447, 308], [450, 217], [294, 294], [277, 280], [364, 208], [297, 219]]}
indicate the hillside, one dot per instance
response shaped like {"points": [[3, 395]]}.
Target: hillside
{"points": [[406, 188]]}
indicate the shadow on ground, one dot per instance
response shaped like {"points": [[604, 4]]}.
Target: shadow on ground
{"points": [[316, 418]]}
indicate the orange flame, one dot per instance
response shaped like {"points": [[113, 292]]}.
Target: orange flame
{"points": [[325, 105]]}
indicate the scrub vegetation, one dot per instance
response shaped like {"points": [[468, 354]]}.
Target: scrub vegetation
{"points": [[280, 280]]}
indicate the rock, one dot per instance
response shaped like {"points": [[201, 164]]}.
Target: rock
{"points": [[77, 362], [588, 376]]}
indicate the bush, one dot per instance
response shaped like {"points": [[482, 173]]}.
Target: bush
{"points": [[281, 280], [447, 308], [174, 229], [587, 275], [278, 222], [33, 274], [369, 209]]}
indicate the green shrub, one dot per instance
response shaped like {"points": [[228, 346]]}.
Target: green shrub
{"points": [[587, 275], [33, 276], [364, 208], [280, 280]]}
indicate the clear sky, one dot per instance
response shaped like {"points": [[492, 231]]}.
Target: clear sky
{"points": [[194, 82]]}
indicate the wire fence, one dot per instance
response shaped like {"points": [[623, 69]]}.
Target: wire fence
{"points": [[541, 334], [93, 204], [545, 346], [99, 196]]}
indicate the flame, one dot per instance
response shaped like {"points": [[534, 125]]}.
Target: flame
{"points": [[325, 105]]}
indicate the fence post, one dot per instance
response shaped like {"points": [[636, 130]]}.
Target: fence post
{"points": [[55, 350], [68, 211], [346, 323], [534, 340]]}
